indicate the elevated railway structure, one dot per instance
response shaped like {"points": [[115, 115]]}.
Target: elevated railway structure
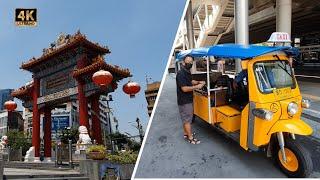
{"points": [[213, 23]]}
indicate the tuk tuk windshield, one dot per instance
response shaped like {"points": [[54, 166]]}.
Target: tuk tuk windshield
{"points": [[272, 75]]}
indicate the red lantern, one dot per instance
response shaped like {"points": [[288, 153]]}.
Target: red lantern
{"points": [[102, 78], [131, 88], [10, 105]]}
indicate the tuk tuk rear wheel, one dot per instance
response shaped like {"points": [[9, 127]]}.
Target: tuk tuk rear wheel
{"points": [[299, 163]]}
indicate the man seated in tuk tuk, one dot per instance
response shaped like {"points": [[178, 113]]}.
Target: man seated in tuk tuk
{"points": [[267, 83], [185, 87], [240, 96]]}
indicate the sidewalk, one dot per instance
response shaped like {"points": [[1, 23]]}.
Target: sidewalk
{"points": [[26, 173], [19, 171], [311, 91]]}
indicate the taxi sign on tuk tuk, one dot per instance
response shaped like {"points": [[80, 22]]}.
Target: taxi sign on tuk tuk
{"points": [[280, 37]]}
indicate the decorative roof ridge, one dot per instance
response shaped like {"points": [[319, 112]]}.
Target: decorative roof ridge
{"points": [[63, 42], [99, 63], [22, 90]]}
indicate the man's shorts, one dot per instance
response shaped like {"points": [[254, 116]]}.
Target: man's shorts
{"points": [[186, 112]]}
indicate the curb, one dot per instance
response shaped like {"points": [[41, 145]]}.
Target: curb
{"points": [[311, 114], [313, 117]]}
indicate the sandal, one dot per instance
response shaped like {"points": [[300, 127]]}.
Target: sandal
{"points": [[186, 136], [193, 141]]}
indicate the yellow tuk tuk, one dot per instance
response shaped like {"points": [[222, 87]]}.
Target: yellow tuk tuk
{"points": [[261, 111]]}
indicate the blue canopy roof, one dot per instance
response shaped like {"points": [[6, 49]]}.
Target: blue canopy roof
{"points": [[235, 51]]}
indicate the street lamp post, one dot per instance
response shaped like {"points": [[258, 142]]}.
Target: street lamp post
{"points": [[104, 136], [108, 112], [139, 127], [109, 98], [117, 124]]}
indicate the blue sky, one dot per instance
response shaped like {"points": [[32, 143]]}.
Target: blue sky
{"points": [[139, 34]]}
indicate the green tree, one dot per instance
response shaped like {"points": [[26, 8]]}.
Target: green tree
{"points": [[121, 140], [17, 139], [67, 134], [134, 145]]}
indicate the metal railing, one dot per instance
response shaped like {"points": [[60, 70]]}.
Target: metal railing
{"points": [[10, 154], [70, 153], [63, 154]]}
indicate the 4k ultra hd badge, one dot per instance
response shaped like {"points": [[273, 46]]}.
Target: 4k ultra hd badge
{"points": [[26, 17]]}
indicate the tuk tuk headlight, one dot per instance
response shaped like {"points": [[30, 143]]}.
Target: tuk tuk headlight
{"points": [[305, 103], [262, 114], [292, 108]]}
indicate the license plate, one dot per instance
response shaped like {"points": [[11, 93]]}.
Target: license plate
{"points": [[282, 93]]}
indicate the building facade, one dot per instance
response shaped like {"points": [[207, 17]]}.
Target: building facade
{"points": [[10, 121], [5, 95], [151, 94]]}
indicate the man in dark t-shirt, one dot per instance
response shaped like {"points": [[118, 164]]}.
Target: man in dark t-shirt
{"points": [[185, 87]]}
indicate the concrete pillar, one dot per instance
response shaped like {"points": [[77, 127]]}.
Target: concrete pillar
{"points": [[47, 134], [83, 104], [283, 16], [190, 33], [36, 119], [96, 125], [241, 26], [189, 23]]}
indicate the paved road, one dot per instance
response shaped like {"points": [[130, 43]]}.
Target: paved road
{"points": [[166, 154], [310, 90]]}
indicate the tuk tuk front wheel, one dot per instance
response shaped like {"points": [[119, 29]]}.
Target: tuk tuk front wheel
{"points": [[298, 160]]}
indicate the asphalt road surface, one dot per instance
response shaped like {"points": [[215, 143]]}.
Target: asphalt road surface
{"points": [[166, 154]]}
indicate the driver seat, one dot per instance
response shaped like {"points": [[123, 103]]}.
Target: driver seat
{"points": [[240, 96]]}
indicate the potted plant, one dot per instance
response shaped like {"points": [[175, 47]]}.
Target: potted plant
{"points": [[125, 157], [125, 160], [96, 152]]}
